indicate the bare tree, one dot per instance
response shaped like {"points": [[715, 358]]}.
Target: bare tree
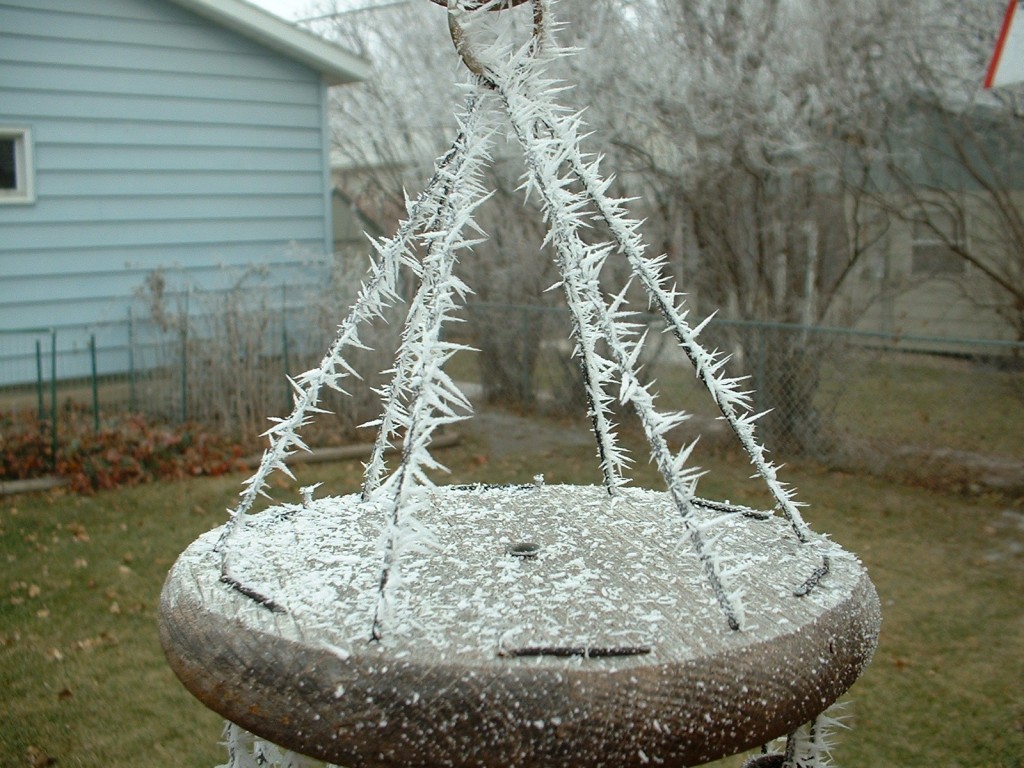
{"points": [[752, 131], [742, 125]]}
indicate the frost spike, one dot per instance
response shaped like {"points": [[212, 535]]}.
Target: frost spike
{"points": [[378, 288], [593, 318]]}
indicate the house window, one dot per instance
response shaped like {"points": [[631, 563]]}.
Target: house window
{"points": [[16, 172], [935, 236]]}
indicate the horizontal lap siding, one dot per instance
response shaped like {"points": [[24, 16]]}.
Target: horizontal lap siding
{"points": [[103, 294], [160, 140]]}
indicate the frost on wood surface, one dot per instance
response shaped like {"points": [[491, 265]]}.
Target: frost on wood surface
{"points": [[611, 570], [549, 598]]}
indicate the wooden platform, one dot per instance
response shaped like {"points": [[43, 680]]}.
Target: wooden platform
{"points": [[526, 626]]}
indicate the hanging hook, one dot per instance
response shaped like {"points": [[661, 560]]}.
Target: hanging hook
{"points": [[458, 33]]}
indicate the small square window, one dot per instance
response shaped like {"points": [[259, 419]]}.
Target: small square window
{"points": [[933, 245], [16, 172]]}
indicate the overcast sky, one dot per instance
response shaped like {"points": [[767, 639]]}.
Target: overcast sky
{"points": [[298, 9], [287, 9]]}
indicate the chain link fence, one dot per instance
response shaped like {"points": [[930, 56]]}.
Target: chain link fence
{"points": [[945, 412], [942, 411]]}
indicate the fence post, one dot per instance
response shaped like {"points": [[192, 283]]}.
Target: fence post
{"points": [[759, 382], [39, 379], [524, 330], [183, 415], [53, 396], [284, 348], [95, 384], [131, 360]]}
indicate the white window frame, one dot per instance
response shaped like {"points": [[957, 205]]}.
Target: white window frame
{"points": [[924, 238], [24, 191]]}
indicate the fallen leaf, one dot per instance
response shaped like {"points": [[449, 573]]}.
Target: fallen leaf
{"points": [[43, 613], [34, 590], [115, 608], [104, 638], [64, 694], [37, 758]]}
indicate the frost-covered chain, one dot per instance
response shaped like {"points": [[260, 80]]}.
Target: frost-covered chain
{"points": [[598, 377], [733, 401], [377, 292], [422, 397], [450, 170], [530, 116], [246, 750], [596, 371]]}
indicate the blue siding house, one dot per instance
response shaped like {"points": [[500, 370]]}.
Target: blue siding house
{"points": [[187, 135]]}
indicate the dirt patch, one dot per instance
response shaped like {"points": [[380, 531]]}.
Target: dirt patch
{"points": [[505, 434], [508, 434], [940, 468]]}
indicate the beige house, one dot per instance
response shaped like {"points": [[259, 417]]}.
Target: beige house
{"points": [[913, 282], [947, 225]]}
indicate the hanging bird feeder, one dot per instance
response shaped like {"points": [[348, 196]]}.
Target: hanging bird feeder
{"points": [[529, 626]]}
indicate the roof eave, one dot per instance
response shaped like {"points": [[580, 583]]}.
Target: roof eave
{"points": [[335, 64]]}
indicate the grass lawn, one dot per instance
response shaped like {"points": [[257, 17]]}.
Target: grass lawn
{"points": [[84, 681], [891, 400], [935, 403]]}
